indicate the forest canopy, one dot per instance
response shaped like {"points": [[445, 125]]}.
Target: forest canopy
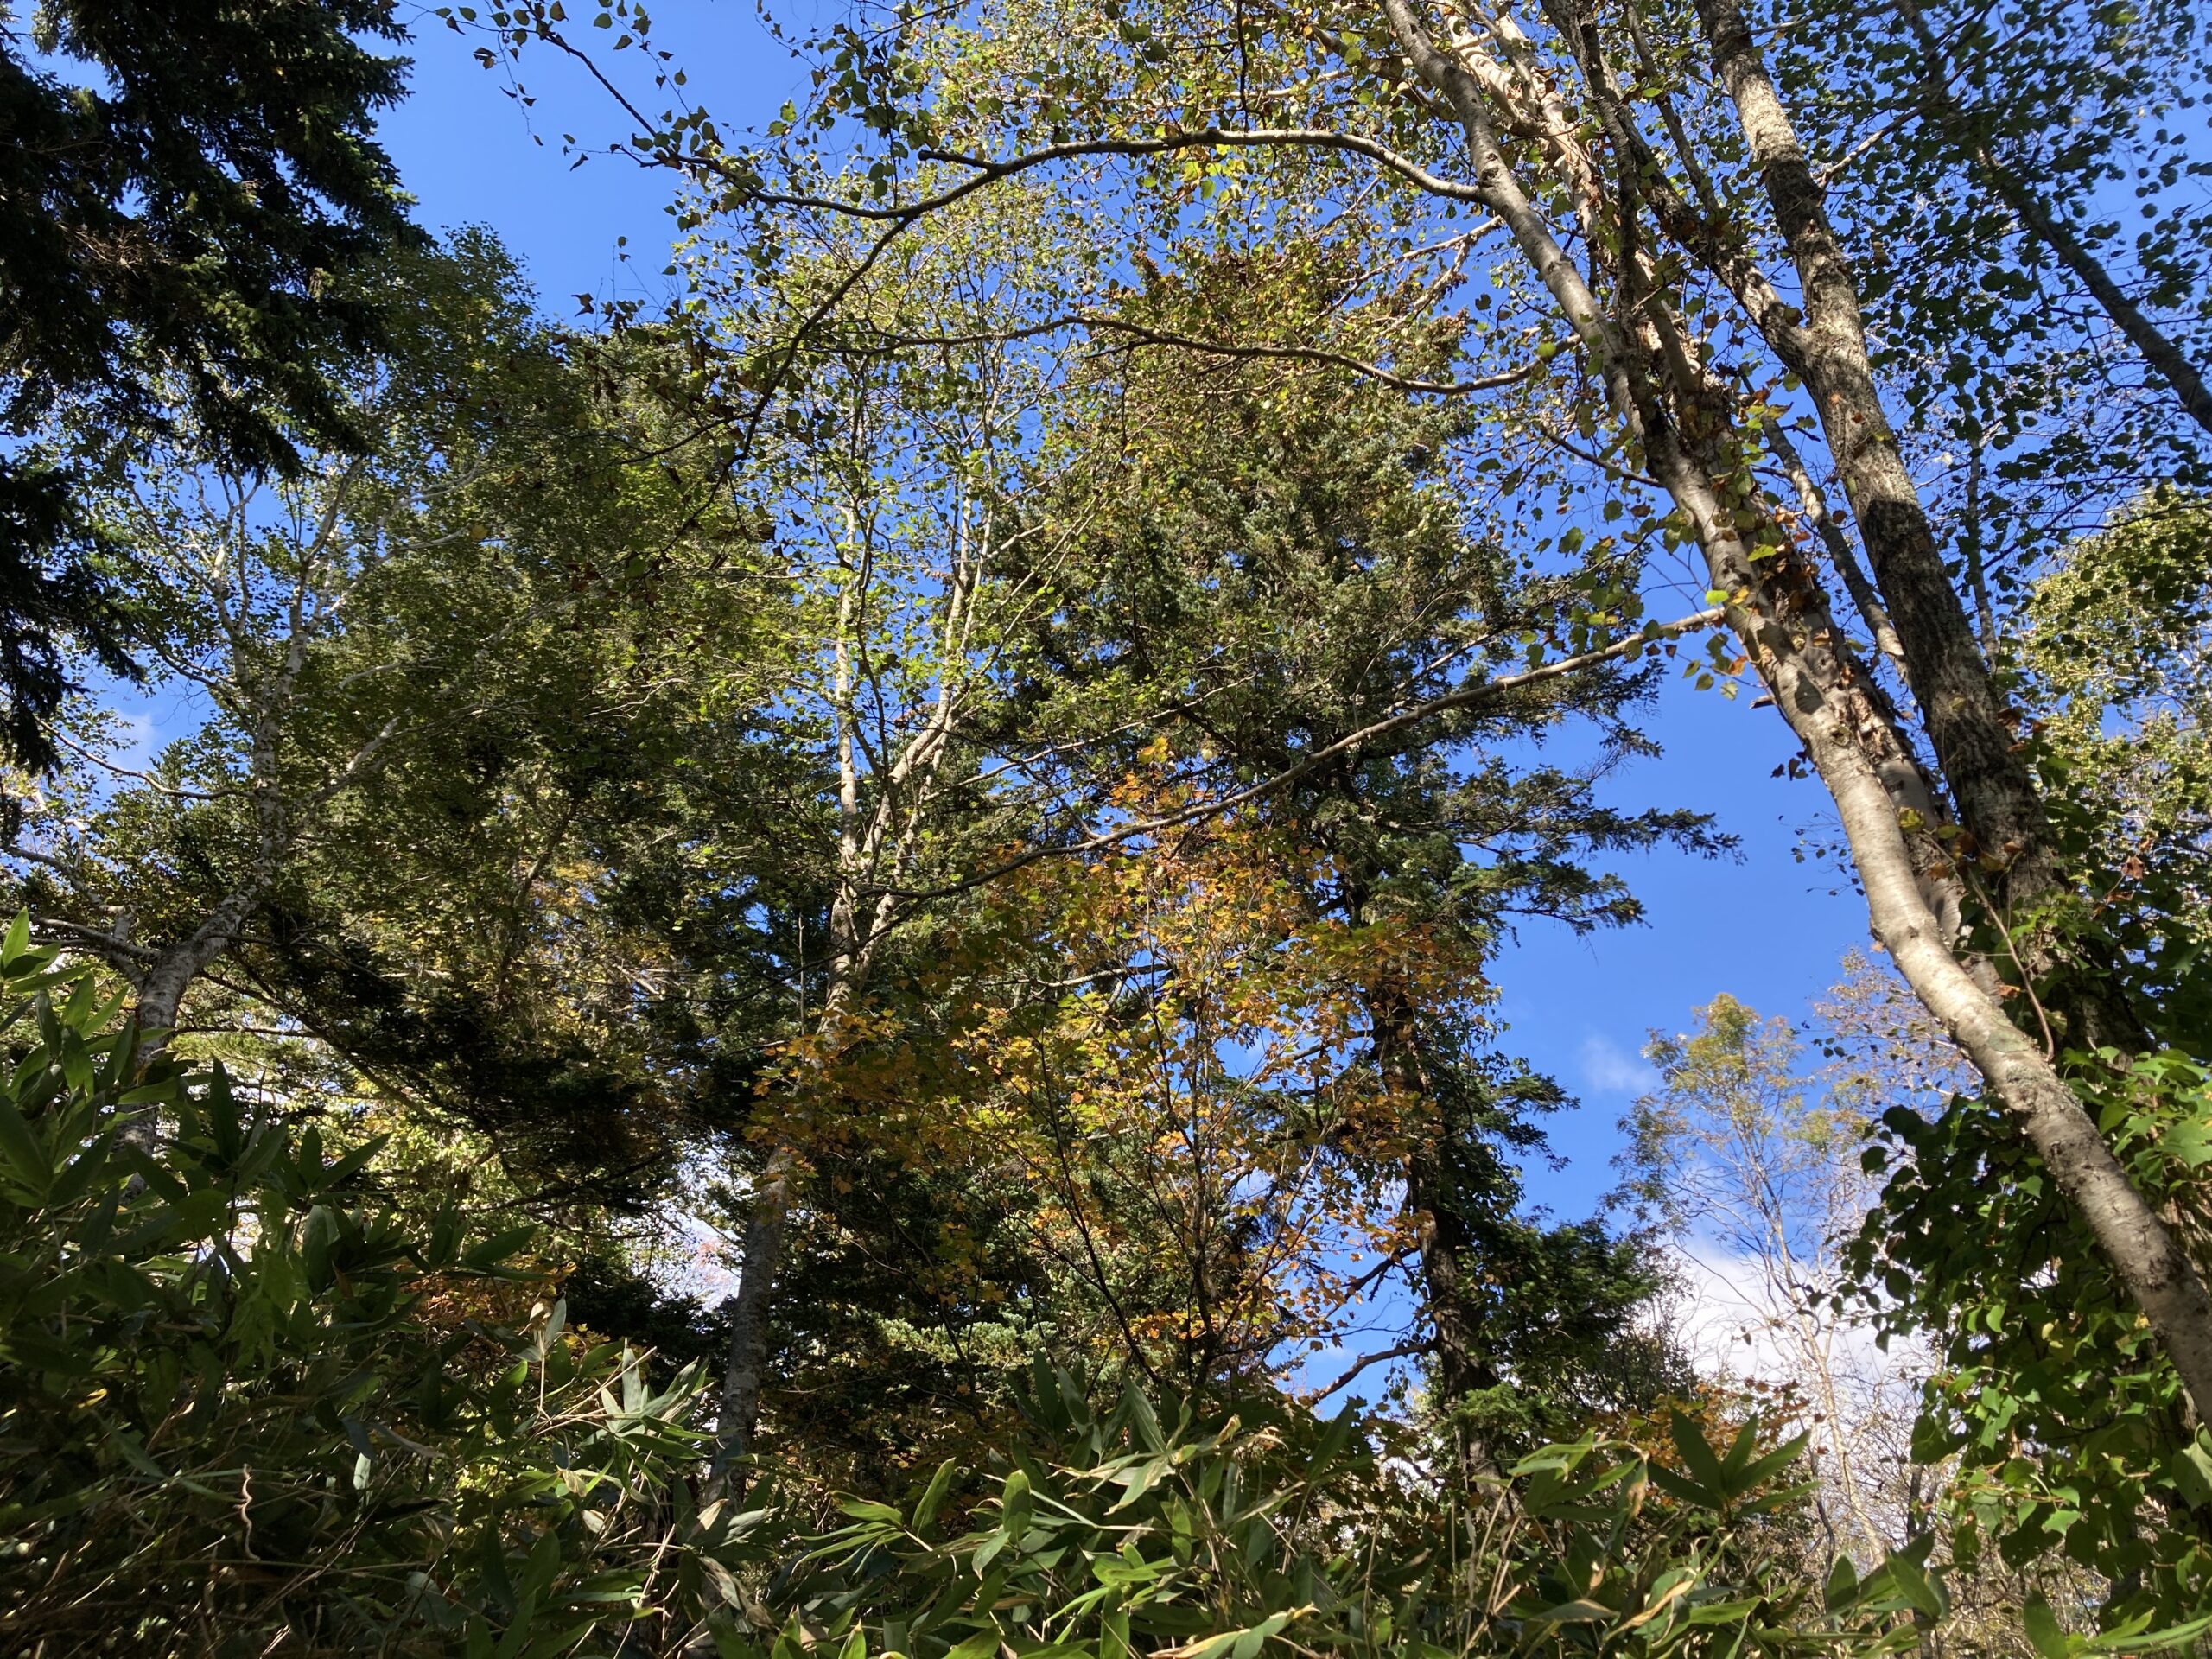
{"points": [[836, 952]]}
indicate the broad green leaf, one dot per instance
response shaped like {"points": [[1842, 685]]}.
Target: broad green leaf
{"points": [[2042, 1629], [1842, 1587], [1697, 1456], [932, 1498]]}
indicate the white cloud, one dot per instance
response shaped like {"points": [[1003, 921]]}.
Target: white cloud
{"points": [[1734, 1325], [1609, 1069], [1724, 1318]]}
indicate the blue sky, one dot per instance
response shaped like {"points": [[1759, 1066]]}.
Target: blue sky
{"points": [[1768, 929]]}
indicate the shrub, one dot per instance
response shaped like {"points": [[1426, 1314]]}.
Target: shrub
{"points": [[239, 1411]]}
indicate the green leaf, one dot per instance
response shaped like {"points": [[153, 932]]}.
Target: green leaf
{"points": [[864, 1509], [2133, 1638], [316, 1239], [77, 1176], [1014, 1503], [1722, 1612], [932, 1498], [2190, 1142], [1753, 1475], [2041, 1626], [1334, 1439], [1139, 1479], [353, 1163], [2190, 1469], [34, 1353], [497, 1248], [1249, 1643], [544, 1565], [1239, 1645], [1574, 1612], [1697, 1456], [1842, 1588], [190, 1219], [1914, 1587], [24, 1153]]}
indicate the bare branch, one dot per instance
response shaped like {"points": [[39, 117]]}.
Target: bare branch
{"points": [[1402, 1350]]}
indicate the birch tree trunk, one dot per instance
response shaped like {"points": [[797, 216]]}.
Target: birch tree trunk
{"points": [[876, 841], [1975, 747], [1664, 389], [1672, 410]]}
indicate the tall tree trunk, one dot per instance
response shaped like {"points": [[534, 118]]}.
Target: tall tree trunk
{"points": [[1975, 747], [739, 1412], [1444, 1243], [768, 1221], [1442, 1239], [767, 1225], [1779, 612]]}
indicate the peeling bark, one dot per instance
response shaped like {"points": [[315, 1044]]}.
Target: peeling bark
{"points": [[1777, 607]]}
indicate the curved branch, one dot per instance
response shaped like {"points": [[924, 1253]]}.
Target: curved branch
{"points": [[1466, 698], [1108, 322], [1402, 1350]]}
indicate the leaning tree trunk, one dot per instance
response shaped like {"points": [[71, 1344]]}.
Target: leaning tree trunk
{"points": [[1682, 425], [1975, 747], [162, 983]]}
